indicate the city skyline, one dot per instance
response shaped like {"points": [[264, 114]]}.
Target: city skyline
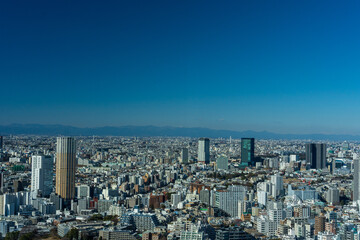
{"points": [[179, 120], [283, 66]]}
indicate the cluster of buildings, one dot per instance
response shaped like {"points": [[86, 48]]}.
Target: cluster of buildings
{"points": [[178, 188]]}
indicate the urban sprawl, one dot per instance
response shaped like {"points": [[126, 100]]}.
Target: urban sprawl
{"points": [[178, 188]]}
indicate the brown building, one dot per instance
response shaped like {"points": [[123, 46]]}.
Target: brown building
{"points": [[18, 186], [198, 187], [65, 167], [319, 224], [148, 235], [246, 217], [156, 200]]}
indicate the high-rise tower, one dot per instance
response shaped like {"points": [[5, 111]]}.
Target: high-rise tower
{"points": [[316, 155], [65, 167], [247, 151], [184, 156], [356, 182], [204, 150], [42, 174]]}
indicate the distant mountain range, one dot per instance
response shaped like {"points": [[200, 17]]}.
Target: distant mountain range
{"points": [[150, 131]]}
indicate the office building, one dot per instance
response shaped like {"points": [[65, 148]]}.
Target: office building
{"points": [[175, 199], [247, 151], [333, 196], [65, 167], [42, 175], [316, 155], [232, 233], [10, 203], [262, 197], [204, 196], [142, 221], [110, 234], [2, 180], [185, 156], [192, 235], [204, 151], [222, 163], [277, 185], [304, 193], [228, 200], [83, 191], [356, 182]]}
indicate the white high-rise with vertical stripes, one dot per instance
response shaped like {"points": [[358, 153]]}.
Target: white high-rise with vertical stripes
{"points": [[42, 174]]}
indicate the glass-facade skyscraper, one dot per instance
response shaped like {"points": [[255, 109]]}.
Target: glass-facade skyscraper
{"points": [[247, 151], [316, 155], [204, 150]]}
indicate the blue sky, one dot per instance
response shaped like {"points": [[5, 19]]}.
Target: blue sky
{"points": [[281, 66]]}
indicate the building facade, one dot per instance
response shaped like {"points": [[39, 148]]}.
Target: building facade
{"points": [[42, 174], [204, 150], [316, 155], [247, 151], [65, 167], [222, 163]]}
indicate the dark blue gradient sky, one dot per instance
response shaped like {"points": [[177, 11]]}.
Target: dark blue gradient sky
{"points": [[281, 66]]}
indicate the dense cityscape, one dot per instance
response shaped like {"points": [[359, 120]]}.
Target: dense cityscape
{"points": [[178, 188], [179, 120]]}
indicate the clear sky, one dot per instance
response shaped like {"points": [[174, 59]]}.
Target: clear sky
{"points": [[281, 66]]}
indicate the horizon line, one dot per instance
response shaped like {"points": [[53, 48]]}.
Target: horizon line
{"points": [[170, 126]]}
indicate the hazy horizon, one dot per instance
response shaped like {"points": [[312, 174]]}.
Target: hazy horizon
{"points": [[178, 127]]}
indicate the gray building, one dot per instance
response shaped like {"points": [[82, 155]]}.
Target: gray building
{"points": [[356, 182], [232, 233], [108, 234], [184, 156], [222, 163], [83, 191], [227, 200], [205, 196], [333, 196], [204, 150], [141, 221]]}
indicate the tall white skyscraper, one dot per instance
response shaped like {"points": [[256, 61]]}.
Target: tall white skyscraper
{"points": [[277, 185], [204, 150], [262, 197], [42, 174]]}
